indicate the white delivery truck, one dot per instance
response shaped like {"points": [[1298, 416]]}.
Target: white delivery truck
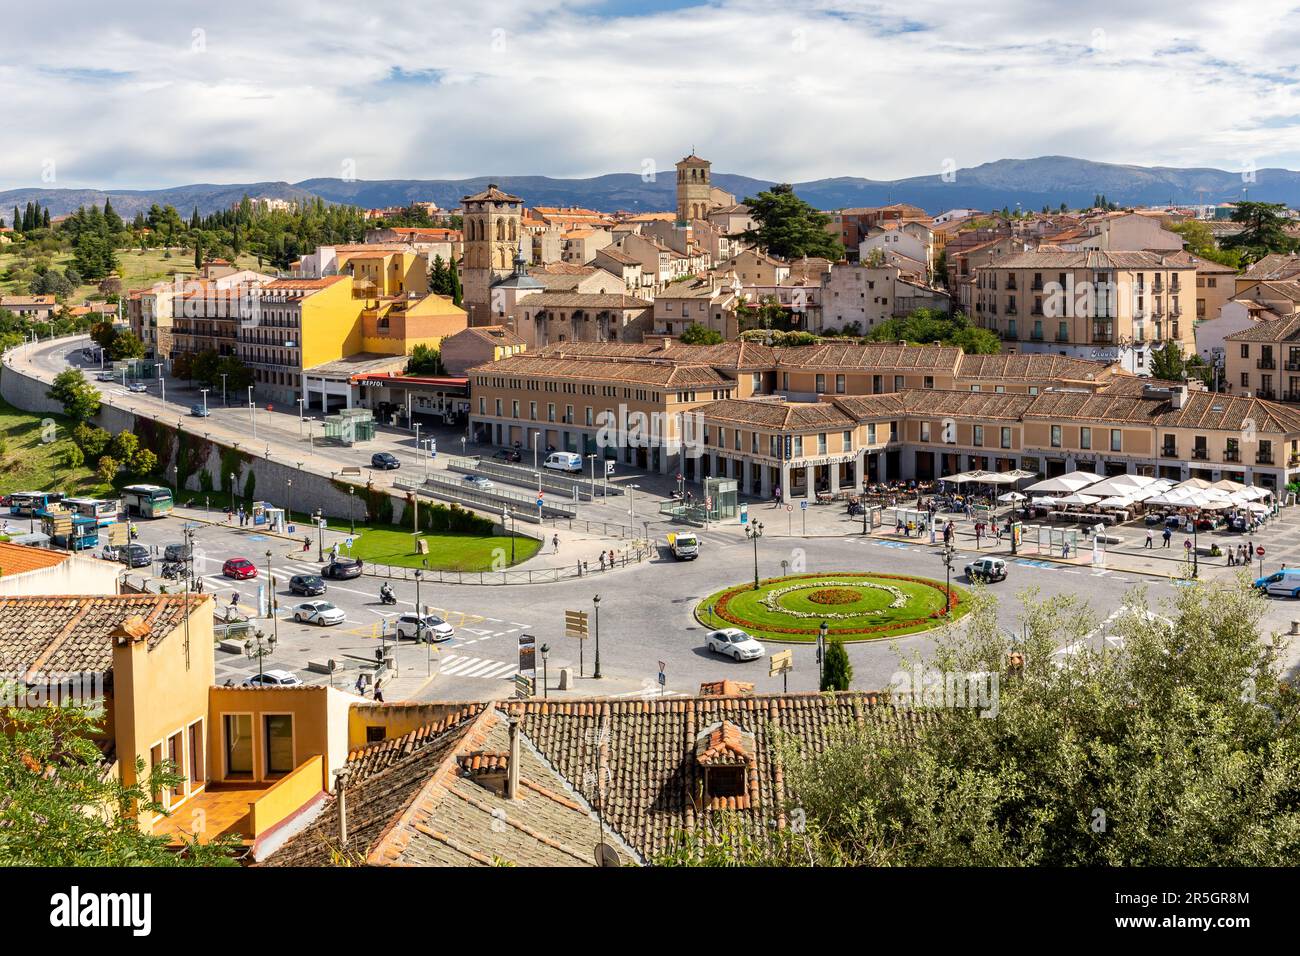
{"points": [[684, 545]]}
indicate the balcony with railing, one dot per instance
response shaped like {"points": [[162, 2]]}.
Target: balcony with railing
{"points": [[1168, 451], [1263, 458], [1200, 453], [1232, 455], [1267, 363], [1266, 393]]}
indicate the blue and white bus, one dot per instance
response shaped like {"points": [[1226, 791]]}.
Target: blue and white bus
{"points": [[24, 504], [103, 510]]}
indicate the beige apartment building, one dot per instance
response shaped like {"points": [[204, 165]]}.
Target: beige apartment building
{"points": [[1105, 306], [1263, 360]]}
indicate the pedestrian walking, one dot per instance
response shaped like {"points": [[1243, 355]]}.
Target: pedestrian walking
{"points": [[379, 692], [776, 497], [555, 543], [1232, 557], [1065, 549], [602, 560], [611, 558], [1167, 535], [1150, 536], [361, 684]]}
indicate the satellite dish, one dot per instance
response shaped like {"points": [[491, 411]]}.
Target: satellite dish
{"points": [[605, 855]]}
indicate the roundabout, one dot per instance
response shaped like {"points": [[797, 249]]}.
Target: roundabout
{"points": [[856, 606]]}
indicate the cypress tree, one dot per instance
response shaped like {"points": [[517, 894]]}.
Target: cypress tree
{"points": [[837, 672]]}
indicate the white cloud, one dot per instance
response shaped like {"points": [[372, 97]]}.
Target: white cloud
{"points": [[130, 95]]}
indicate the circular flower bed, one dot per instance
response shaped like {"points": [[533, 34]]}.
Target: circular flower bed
{"points": [[833, 596], [867, 606]]}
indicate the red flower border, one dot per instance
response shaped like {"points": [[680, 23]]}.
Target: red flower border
{"points": [[721, 605]]}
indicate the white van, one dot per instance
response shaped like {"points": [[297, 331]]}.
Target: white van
{"points": [[563, 461], [1284, 583]]}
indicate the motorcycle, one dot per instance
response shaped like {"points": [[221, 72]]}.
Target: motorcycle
{"points": [[387, 597], [172, 570]]}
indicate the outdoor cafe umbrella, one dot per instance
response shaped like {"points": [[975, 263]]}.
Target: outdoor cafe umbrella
{"points": [[1074, 481], [1078, 499], [1116, 501], [1011, 497]]}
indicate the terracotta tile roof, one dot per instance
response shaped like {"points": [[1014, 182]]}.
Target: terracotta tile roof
{"points": [[724, 744], [561, 269], [582, 300], [496, 334], [17, 558], [8, 300], [70, 633], [1094, 259], [1275, 266], [849, 356], [789, 416], [384, 778], [1038, 367], [1207, 410], [618, 255], [305, 285], [732, 355], [558, 365], [642, 753], [1276, 330], [491, 194], [479, 762], [726, 688]]}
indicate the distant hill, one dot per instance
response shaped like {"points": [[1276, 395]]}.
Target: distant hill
{"points": [[1046, 180]]}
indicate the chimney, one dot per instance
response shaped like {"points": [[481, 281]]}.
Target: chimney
{"points": [[512, 767], [340, 791], [131, 631], [1178, 396]]}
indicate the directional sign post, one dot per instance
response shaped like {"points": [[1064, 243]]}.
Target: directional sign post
{"points": [[524, 686], [803, 514], [575, 625], [1259, 551], [781, 663], [663, 679]]}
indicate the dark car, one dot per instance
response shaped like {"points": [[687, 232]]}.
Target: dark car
{"points": [[340, 569], [384, 460], [508, 454], [308, 584], [177, 552], [135, 556]]}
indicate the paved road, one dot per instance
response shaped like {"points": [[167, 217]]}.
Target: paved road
{"points": [[645, 615]]}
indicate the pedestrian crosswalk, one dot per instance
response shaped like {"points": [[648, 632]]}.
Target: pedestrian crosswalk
{"points": [[458, 665]]}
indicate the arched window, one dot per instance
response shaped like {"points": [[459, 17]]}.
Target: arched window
{"points": [[514, 231], [501, 229]]}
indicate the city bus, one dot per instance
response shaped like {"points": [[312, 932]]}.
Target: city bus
{"points": [[147, 501], [26, 503], [104, 511]]}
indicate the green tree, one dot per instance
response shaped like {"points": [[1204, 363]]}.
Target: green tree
{"points": [[92, 441], [439, 277], [124, 446], [696, 334], [1199, 241], [125, 346], [143, 462], [454, 285], [837, 672], [926, 326], [73, 456], [1167, 362], [1180, 748], [107, 469], [61, 809], [93, 256], [103, 334], [788, 227], [80, 399], [424, 360], [1263, 230]]}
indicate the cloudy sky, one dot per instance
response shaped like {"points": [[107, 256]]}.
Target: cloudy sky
{"points": [[139, 94]]}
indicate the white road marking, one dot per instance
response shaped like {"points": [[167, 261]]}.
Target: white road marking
{"points": [[459, 666]]}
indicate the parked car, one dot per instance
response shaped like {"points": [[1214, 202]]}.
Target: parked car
{"points": [[563, 461], [384, 460], [508, 454], [137, 387], [239, 569], [318, 612], [430, 628], [735, 643], [274, 678], [1284, 583], [135, 556], [340, 569], [111, 552], [199, 411], [105, 377], [307, 584], [987, 570], [478, 482]]}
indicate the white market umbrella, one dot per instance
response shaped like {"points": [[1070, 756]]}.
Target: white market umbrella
{"points": [[1227, 484], [1258, 509], [1123, 485], [1074, 481], [1011, 497], [1196, 484], [1257, 493], [1117, 501], [1078, 499]]}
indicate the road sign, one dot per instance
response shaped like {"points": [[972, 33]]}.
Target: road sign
{"points": [[708, 502], [744, 514], [1260, 551], [539, 501], [609, 468], [662, 679], [780, 663], [789, 507], [524, 686], [527, 652], [575, 624], [803, 505]]}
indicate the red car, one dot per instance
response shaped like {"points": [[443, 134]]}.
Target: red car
{"points": [[239, 569]]}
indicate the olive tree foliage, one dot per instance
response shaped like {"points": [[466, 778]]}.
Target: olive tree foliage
{"points": [[1176, 745]]}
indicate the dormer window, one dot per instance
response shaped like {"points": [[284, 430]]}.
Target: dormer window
{"points": [[725, 755]]}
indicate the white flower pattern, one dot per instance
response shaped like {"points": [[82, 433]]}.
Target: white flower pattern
{"points": [[769, 601]]}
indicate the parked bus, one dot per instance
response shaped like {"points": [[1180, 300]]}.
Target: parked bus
{"points": [[69, 530], [26, 503], [147, 501], [102, 510]]}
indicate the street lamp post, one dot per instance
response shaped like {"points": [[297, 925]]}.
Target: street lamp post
{"points": [[631, 504], [821, 654], [270, 598], [596, 601], [288, 499], [947, 579], [320, 536], [536, 436], [252, 411], [204, 393], [352, 524], [592, 459], [260, 651], [162, 384], [232, 492], [753, 532], [419, 576], [224, 401], [546, 688], [300, 408]]}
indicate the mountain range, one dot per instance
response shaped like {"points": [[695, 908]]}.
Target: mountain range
{"points": [[1031, 183]]}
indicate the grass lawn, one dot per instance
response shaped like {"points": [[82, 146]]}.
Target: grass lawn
{"points": [[856, 606], [447, 552], [32, 464], [136, 269]]}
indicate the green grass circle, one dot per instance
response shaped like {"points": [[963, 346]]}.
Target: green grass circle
{"points": [[871, 617]]}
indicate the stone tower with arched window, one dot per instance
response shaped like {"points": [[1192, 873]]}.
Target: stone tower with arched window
{"points": [[492, 225], [693, 188]]}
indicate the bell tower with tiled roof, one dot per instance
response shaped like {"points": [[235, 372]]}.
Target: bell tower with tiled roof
{"points": [[693, 188], [492, 228]]}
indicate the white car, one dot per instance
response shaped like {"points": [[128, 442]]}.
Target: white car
{"points": [[428, 628], [736, 644], [137, 387], [274, 678], [318, 612], [478, 481]]}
